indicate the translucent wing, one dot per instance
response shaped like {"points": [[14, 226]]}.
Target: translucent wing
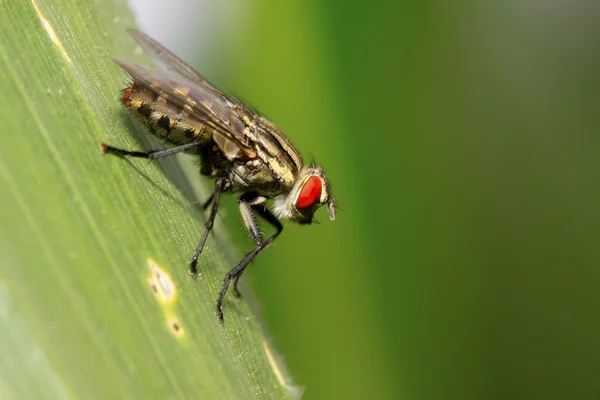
{"points": [[173, 63], [205, 103]]}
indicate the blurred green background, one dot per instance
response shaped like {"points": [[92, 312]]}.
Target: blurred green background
{"points": [[462, 142]]}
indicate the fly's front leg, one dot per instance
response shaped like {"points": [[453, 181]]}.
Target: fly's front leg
{"points": [[153, 155], [248, 203], [265, 214], [215, 198]]}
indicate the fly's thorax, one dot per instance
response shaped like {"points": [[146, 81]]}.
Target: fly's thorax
{"points": [[268, 165], [167, 121], [274, 150], [257, 176], [310, 191]]}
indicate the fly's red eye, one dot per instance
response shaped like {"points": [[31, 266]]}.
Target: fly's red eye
{"points": [[310, 192]]}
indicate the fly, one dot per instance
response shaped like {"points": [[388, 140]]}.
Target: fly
{"points": [[242, 151]]}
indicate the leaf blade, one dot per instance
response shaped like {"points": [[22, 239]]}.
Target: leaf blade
{"points": [[78, 228]]}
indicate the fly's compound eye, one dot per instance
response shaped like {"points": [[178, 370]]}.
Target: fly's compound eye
{"points": [[310, 192]]}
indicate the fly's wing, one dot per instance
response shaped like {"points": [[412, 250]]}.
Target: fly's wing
{"points": [[173, 63], [205, 103]]}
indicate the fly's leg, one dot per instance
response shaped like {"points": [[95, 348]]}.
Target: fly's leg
{"points": [[236, 292], [214, 199], [271, 219], [153, 155], [106, 149], [248, 203], [208, 201]]}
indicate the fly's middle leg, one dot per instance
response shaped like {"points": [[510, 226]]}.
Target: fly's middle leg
{"points": [[214, 199]]}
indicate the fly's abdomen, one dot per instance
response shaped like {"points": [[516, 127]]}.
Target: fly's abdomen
{"points": [[165, 120]]}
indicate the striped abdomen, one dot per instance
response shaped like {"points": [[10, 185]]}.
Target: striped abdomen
{"points": [[166, 121]]}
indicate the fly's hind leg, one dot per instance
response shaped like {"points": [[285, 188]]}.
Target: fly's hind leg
{"points": [[153, 155], [220, 186]]}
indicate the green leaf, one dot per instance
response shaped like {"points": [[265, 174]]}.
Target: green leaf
{"points": [[79, 232]]}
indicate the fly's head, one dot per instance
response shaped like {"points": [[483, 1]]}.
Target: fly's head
{"points": [[310, 192]]}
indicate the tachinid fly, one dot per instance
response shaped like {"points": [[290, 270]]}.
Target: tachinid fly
{"points": [[241, 150]]}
